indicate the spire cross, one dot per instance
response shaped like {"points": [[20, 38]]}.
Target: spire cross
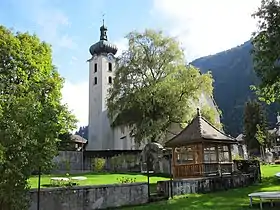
{"points": [[198, 111], [103, 15]]}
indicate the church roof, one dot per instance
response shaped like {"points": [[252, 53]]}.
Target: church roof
{"points": [[103, 46], [199, 130]]}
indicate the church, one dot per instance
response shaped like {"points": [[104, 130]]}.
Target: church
{"points": [[102, 136]]}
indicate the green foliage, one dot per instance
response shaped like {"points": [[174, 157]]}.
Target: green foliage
{"points": [[67, 165], [237, 157], [255, 126], [266, 52], [210, 115], [117, 161], [260, 136], [125, 180], [65, 142], [127, 162], [62, 183], [98, 164], [229, 68], [153, 87], [31, 113]]}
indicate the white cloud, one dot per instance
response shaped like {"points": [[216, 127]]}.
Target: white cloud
{"points": [[76, 97], [206, 27], [50, 20], [74, 58], [122, 45], [67, 42]]}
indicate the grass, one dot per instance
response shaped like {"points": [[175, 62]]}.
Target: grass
{"points": [[234, 199], [94, 179]]}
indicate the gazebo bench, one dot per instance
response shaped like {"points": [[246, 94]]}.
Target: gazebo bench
{"points": [[264, 196]]}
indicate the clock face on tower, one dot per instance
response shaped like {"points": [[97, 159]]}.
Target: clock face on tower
{"points": [[110, 57]]}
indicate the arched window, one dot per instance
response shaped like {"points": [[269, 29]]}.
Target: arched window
{"points": [[95, 67], [95, 80], [110, 66], [110, 80]]}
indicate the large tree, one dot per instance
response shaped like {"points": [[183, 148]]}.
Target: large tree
{"points": [[31, 113], [266, 51], [65, 142], [255, 126], [153, 87]]}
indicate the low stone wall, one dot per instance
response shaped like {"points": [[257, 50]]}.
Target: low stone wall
{"points": [[202, 185], [90, 197]]}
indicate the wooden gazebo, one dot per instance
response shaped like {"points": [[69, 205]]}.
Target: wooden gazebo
{"points": [[201, 150]]}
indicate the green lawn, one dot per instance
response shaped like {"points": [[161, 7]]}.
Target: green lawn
{"points": [[94, 179], [235, 199]]}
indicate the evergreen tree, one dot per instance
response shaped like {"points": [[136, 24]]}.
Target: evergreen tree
{"points": [[255, 126]]}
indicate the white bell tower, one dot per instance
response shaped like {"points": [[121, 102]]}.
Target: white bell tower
{"points": [[101, 68]]}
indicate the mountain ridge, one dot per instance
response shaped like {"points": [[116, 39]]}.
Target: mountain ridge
{"points": [[233, 74]]}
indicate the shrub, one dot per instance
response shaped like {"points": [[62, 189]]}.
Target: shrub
{"points": [[124, 180], [67, 165], [98, 164], [237, 157]]}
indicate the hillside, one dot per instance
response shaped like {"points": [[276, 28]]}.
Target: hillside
{"points": [[233, 74]]}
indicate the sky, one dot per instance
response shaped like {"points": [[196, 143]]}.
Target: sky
{"points": [[203, 27]]}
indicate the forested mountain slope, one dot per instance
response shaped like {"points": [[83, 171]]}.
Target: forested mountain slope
{"points": [[233, 74]]}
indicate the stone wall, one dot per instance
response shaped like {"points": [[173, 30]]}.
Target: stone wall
{"points": [[203, 185], [74, 162], [118, 163], [90, 197], [68, 162]]}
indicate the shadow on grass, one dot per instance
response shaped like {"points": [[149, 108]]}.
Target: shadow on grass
{"points": [[60, 185], [276, 165], [234, 199]]}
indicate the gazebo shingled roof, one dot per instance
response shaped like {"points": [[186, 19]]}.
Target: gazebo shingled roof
{"points": [[78, 139], [199, 130]]}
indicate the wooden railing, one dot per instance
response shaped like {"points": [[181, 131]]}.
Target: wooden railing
{"points": [[218, 168], [211, 169], [202, 169], [190, 170], [226, 168]]}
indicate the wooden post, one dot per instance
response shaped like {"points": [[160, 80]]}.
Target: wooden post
{"points": [[171, 175], [173, 163], [229, 153], [39, 189], [218, 159], [230, 157], [148, 174], [202, 159]]}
